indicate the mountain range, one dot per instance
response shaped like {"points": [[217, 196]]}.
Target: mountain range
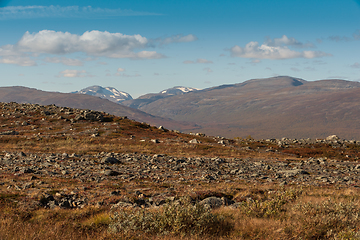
{"points": [[83, 101], [108, 93], [114, 95], [263, 108]]}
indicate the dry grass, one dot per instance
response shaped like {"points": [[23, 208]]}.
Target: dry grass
{"points": [[313, 213]]}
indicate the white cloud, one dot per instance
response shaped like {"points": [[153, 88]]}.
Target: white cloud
{"points": [[9, 55], [65, 61], [273, 51], [284, 40], [208, 70], [255, 61], [26, 12], [127, 75], [93, 43], [356, 35], [21, 61], [295, 69], [340, 38], [310, 69], [74, 73], [199, 60], [179, 38], [337, 38], [355, 65], [202, 60], [120, 70]]}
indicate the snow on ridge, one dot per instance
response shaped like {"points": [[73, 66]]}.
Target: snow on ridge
{"points": [[175, 90], [117, 92], [109, 93]]}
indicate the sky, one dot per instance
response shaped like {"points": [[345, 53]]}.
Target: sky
{"points": [[143, 46]]}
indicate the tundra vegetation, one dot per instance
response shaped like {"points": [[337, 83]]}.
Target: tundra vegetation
{"points": [[80, 174]]}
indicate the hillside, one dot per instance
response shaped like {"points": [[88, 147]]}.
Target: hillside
{"points": [[266, 108], [83, 101], [152, 97]]}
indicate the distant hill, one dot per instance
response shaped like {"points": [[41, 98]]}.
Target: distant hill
{"points": [[151, 97], [83, 101], [268, 108], [109, 93]]}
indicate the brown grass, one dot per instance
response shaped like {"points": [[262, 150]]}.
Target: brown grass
{"points": [[297, 219]]}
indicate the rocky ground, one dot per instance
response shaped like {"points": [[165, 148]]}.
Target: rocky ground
{"points": [[55, 160], [113, 179]]}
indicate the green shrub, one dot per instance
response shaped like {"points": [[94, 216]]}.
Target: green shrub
{"points": [[173, 218]]}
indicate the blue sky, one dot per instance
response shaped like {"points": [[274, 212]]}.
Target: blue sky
{"points": [[143, 46]]}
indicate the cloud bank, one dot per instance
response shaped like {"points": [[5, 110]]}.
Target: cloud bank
{"points": [[275, 49], [91, 43], [26, 12]]}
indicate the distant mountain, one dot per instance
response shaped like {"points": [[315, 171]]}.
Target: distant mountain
{"points": [[109, 93], [267, 108], [84, 101], [151, 97], [178, 90]]}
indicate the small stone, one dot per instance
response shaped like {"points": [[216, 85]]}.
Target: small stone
{"points": [[212, 202], [110, 160], [110, 173], [194, 141]]}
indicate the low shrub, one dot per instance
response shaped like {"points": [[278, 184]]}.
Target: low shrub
{"points": [[176, 218], [348, 234], [272, 205], [328, 219]]}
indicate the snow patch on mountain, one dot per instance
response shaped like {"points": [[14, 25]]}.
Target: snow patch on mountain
{"points": [[110, 93], [178, 90]]}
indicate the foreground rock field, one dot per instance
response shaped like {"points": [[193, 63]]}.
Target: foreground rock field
{"points": [[74, 168], [104, 178]]}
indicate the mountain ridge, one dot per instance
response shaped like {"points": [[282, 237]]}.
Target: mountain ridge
{"points": [[22, 94], [265, 108], [109, 93]]}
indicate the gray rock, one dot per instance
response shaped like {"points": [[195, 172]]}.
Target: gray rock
{"points": [[9, 133], [194, 141], [292, 173], [212, 202], [110, 173], [110, 160], [332, 138]]}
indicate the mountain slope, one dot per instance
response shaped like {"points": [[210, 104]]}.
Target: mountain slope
{"points": [[267, 108], [109, 93], [82, 101], [151, 97]]}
